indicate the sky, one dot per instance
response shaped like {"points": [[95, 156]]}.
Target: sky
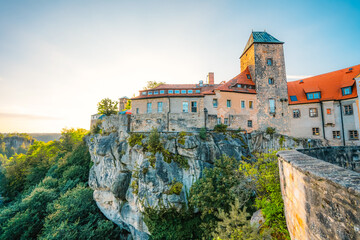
{"points": [[58, 59]]}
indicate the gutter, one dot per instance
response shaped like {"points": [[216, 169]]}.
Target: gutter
{"points": [[322, 119], [342, 123]]}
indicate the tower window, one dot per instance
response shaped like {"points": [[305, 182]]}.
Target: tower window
{"points": [[272, 105], [249, 123], [269, 62], [271, 81]]}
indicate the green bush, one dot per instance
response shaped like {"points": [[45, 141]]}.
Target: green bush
{"points": [[202, 133], [95, 129], [175, 188], [221, 128], [135, 139], [270, 130]]}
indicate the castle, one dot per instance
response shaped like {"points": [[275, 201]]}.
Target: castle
{"points": [[321, 107]]}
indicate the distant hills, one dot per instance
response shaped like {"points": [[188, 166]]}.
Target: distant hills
{"points": [[45, 137]]}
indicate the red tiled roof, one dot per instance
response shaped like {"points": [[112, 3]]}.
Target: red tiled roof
{"points": [[329, 84], [174, 86], [231, 85]]}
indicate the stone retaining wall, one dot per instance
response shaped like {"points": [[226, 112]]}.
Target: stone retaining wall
{"points": [[322, 200], [346, 157]]}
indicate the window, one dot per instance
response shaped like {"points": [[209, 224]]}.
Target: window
{"points": [[271, 81], [218, 120], [346, 91], [183, 91], [336, 134], [353, 134], [293, 98], [315, 131], [251, 104], [226, 121], [177, 91], [269, 62], [314, 95], [185, 107], [149, 107], [160, 107], [193, 106], [313, 112], [190, 91], [150, 92], [248, 76], [242, 104], [197, 91], [137, 110], [250, 123], [348, 109], [215, 103], [162, 91], [228, 103], [328, 111], [170, 91], [272, 105], [296, 113], [143, 93]]}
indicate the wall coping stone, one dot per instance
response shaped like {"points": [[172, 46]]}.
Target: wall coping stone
{"points": [[323, 171]]}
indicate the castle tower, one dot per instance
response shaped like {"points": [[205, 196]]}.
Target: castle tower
{"points": [[264, 56]]}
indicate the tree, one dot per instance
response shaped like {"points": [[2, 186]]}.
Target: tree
{"points": [[107, 106], [128, 105], [152, 84]]}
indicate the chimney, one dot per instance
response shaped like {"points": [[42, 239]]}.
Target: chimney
{"points": [[210, 78]]}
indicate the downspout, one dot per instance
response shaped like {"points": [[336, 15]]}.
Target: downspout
{"points": [[168, 116], [322, 119], [342, 123]]}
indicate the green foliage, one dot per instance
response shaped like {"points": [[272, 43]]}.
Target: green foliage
{"points": [[47, 194], [202, 133], [154, 143], [127, 105], [135, 186], [270, 130], [175, 188], [219, 187], [95, 129], [107, 106], [264, 175], [281, 141], [236, 225], [171, 223], [152, 84], [181, 138], [9, 143], [220, 128], [135, 139]]}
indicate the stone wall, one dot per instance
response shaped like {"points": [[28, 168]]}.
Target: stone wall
{"points": [[346, 157], [321, 199]]}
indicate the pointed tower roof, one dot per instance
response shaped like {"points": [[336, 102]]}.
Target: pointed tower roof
{"points": [[260, 37]]}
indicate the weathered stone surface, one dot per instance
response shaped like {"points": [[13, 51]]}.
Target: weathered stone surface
{"points": [[257, 219], [123, 178], [321, 199]]}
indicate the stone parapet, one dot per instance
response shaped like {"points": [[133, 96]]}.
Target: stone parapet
{"points": [[321, 199]]}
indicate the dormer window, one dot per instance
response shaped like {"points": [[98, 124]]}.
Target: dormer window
{"points": [[143, 93], [197, 91], [293, 98], [183, 91], [239, 85], [190, 91], [150, 92], [170, 91], [313, 95], [346, 91], [177, 91], [162, 91], [248, 76], [156, 92]]}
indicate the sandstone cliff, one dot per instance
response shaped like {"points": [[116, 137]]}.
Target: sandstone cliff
{"points": [[126, 177]]}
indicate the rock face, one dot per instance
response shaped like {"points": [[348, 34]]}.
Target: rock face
{"points": [[126, 178]]}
